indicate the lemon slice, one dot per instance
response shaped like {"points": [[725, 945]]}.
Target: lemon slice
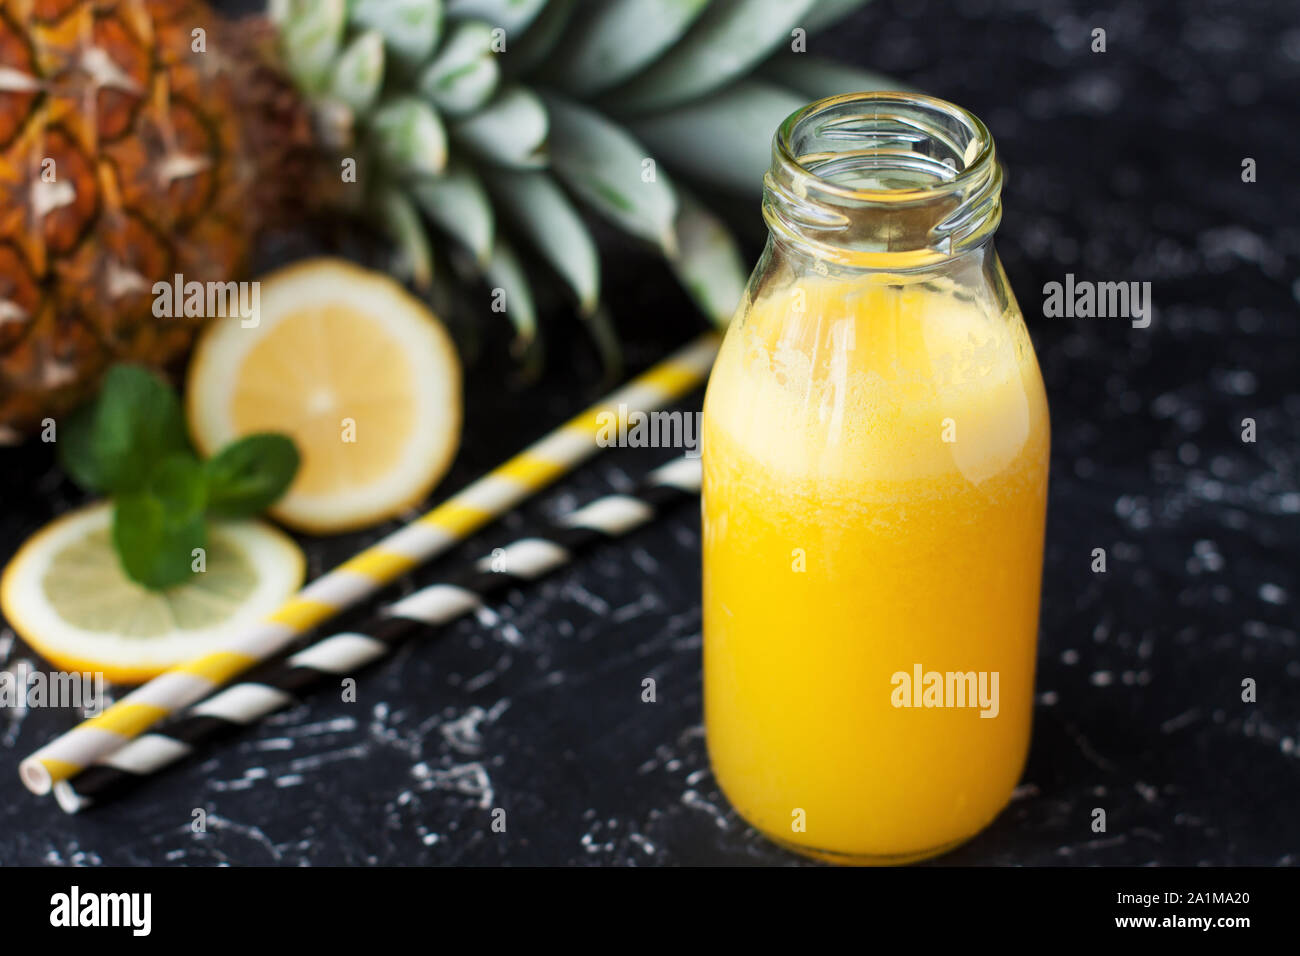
{"points": [[360, 374], [66, 594]]}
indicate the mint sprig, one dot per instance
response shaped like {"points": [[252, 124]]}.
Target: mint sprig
{"points": [[138, 423], [245, 477], [131, 443], [156, 530]]}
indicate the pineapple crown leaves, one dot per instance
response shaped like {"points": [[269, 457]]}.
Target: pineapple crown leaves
{"points": [[131, 442], [490, 122]]}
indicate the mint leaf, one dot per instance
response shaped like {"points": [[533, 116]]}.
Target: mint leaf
{"points": [[180, 484], [248, 475], [138, 422], [155, 531], [76, 452]]}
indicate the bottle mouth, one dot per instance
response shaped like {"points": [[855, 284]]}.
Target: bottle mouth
{"points": [[883, 179]]}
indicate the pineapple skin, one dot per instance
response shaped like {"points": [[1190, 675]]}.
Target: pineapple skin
{"points": [[124, 159]]}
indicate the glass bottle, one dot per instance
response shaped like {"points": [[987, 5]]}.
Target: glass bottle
{"points": [[875, 453]]}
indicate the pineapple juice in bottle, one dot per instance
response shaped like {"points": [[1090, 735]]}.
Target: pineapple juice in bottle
{"points": [[875, 476]]}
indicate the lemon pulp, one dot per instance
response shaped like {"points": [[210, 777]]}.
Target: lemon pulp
{"points": [[85, 584], [291, 376], [67, 596], [356, 370]]}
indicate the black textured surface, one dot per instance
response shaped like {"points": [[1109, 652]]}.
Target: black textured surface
{"points": [[1123, 166]]}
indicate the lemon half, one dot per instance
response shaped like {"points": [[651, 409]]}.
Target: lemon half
{"points": [[363, 377], [65, 593]]}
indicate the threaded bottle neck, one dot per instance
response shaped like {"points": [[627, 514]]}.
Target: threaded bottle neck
{"points": [[883, 180]]}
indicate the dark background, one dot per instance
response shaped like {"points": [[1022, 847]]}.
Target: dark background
{"points": [[1122, 166]]}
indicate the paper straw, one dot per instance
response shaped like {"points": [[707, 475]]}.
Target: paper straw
{"points": [[361, 576], [274, 684]]}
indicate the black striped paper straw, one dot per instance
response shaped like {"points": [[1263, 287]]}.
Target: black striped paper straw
{"points": [[276, 684]]}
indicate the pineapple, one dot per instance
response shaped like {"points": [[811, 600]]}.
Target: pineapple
{"points": [[144, 138], [125, 157]]}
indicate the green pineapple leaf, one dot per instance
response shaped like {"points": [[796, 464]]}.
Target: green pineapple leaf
{"points": [[458, 204], [619, 37], [540, 40], [815, 77], [708, 262], [409, 136], [603, 334], [510, 130], [724, 139], [311, 31], [512, 294], [723, 44], [443, 96], [513, 16], [612, 172], [400, 220], [359, 72], [464, 74], [411, 28], [544, 215]]}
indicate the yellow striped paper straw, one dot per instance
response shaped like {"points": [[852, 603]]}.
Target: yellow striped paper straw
{"points": [[424, 538]]}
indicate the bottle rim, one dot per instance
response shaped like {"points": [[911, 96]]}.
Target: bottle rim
{"points": [[932, 181], [972, 167]]}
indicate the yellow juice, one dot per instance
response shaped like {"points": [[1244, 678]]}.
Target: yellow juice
{"points": [[875, 481]]}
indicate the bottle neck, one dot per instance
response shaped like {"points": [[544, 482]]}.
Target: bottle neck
{"points": [[883, 181]]}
